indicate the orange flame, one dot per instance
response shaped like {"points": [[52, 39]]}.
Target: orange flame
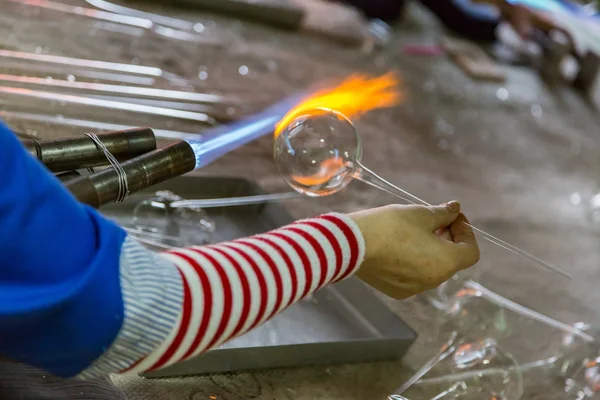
{"points": [[353, 97]]}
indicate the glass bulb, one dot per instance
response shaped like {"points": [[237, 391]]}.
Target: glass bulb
{"points": [[179, 227], [480, 352], [195, 227], [317, 152], [151, 215]]}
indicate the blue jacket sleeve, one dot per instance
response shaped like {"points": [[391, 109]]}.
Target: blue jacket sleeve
{"points": [[60, 298]]}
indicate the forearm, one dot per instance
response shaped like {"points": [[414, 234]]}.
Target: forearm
{"points": [[78, 297], [187, 301], [179, 304]]}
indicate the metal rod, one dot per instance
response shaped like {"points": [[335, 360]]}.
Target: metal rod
{"points": [[81, 152], [141, 172], [68, 175]]}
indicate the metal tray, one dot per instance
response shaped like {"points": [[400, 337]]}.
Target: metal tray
{"points": [[341, 323]]}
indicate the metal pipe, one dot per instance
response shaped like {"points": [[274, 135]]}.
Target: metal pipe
{"points": [[67, 175], [141, 172], [81, 152]]}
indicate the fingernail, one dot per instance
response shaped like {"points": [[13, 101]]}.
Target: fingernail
{"points": [[453, 206]]}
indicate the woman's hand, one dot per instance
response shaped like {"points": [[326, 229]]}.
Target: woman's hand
{"points": [[411, 249]]}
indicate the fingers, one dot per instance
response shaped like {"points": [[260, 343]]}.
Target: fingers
{"points": [[444, 233], [465, 250], [443, 215], [461, 231]]}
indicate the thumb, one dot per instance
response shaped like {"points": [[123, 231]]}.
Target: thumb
{"points": [[444, 215], [466, 250]]}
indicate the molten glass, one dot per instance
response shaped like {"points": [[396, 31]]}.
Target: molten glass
{"points": [[316, 153], [353, 97]]}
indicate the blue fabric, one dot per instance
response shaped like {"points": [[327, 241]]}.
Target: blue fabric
{"points": [[60, 298], [478, 11], [475, 21]]}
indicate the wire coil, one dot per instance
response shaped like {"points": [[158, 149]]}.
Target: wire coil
{"points": [[121, 175]]}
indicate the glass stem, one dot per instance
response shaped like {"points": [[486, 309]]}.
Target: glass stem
{"points": [[540, 364], [456, 387], [236, 201], [446, 350], [367, 176], [522, 310]]}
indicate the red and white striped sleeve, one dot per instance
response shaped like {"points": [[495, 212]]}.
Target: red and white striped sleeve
{"points": [[187, 301]]}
